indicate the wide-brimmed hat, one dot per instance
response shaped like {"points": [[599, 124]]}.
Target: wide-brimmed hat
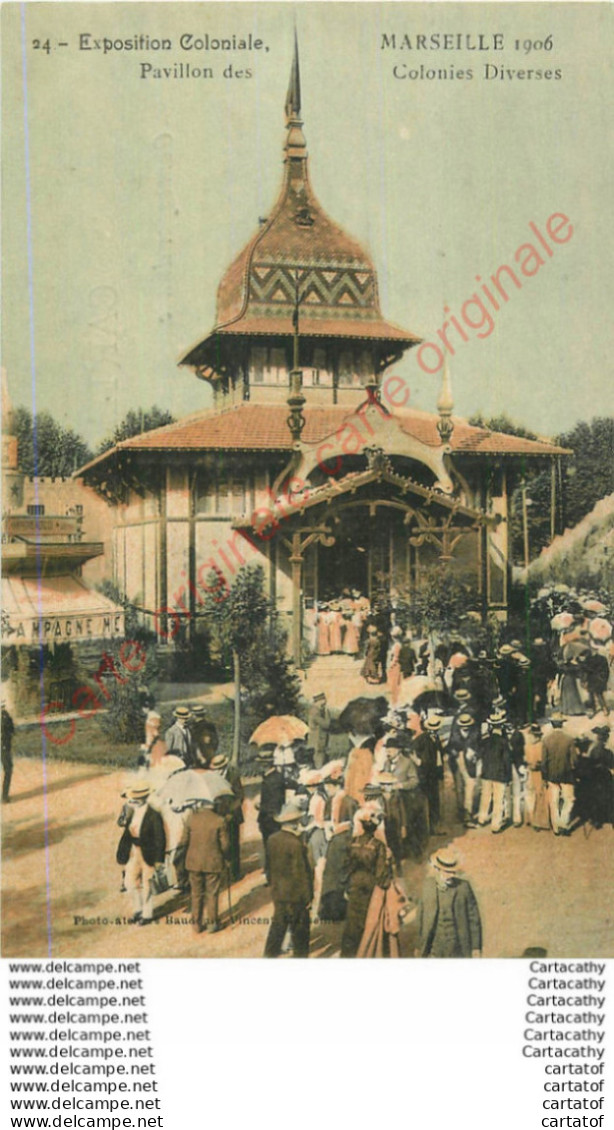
{"points": [[432, 723], [535, 728], [445, 860], [387, 779], [182, 712], [289, 814], [197, 710], [584, 741], [311, 778], [264, 754], [603, 731], [220, 761], [138, 791], [368, 816], [371, 792], [466, 720], [557, 718]]}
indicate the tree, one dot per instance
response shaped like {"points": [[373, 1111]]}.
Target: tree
{"points": [[501, 423], [123, 716], [588, 475], [135, 422], [45, 447], [244, 623]]}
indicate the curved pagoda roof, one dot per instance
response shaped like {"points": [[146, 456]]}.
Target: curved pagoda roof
{"points": [[299, 255]]}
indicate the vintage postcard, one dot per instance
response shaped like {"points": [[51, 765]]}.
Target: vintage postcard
{"points": [[308, 480]]}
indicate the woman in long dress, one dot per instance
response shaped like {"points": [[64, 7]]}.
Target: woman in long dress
{"points": [[571, 700], [537, 812], [322, 631], [372, 667], [335, 625], [351, 639], [395, 674], [368, 867]]}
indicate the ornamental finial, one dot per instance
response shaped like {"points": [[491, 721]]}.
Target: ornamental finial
{"points": [[445, 405]]}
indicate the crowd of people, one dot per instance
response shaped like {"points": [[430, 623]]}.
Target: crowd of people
{"points": [[517, 736], [497, 731]]}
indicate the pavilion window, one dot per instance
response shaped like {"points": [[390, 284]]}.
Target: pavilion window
{"points": [[238, 497], [223, 503], [204, 493], [277, 371], [347, 370], [258, 365], [365, 367], [319, 375]]}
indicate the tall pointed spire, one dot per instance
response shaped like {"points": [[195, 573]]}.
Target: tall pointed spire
{"points": [[293, 97], [296, 146]]}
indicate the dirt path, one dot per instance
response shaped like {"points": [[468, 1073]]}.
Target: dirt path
{"points": [[533, 889]]}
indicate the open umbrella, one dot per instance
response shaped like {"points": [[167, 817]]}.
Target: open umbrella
{"points": [[561, 621], [417, 685], [594, 605], [189, 785], [435, 700], [363, 715], [279, 729], [600, 629]]}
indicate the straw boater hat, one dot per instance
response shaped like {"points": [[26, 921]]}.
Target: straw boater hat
{"points": [[497, 718], [197, 710], [181, 712], [445, 860], [432, 723], [289, 814], [265, 754], [506, 649], [462, 694], [220, 761], [138, 791], [387, 779], [319, 695], [466, 720]]}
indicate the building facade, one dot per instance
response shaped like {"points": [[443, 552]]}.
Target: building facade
{"points": [[310, 462]]}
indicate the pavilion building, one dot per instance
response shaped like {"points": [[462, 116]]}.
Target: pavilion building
{"points": [[310, 461]]}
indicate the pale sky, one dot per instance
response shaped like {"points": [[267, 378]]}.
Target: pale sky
{"points": [[143, 190]]}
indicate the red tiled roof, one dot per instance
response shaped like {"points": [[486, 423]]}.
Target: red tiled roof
{"points": [[263, 427]]}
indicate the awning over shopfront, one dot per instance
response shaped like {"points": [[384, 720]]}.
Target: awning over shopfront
{"points": [[56, 610]]}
